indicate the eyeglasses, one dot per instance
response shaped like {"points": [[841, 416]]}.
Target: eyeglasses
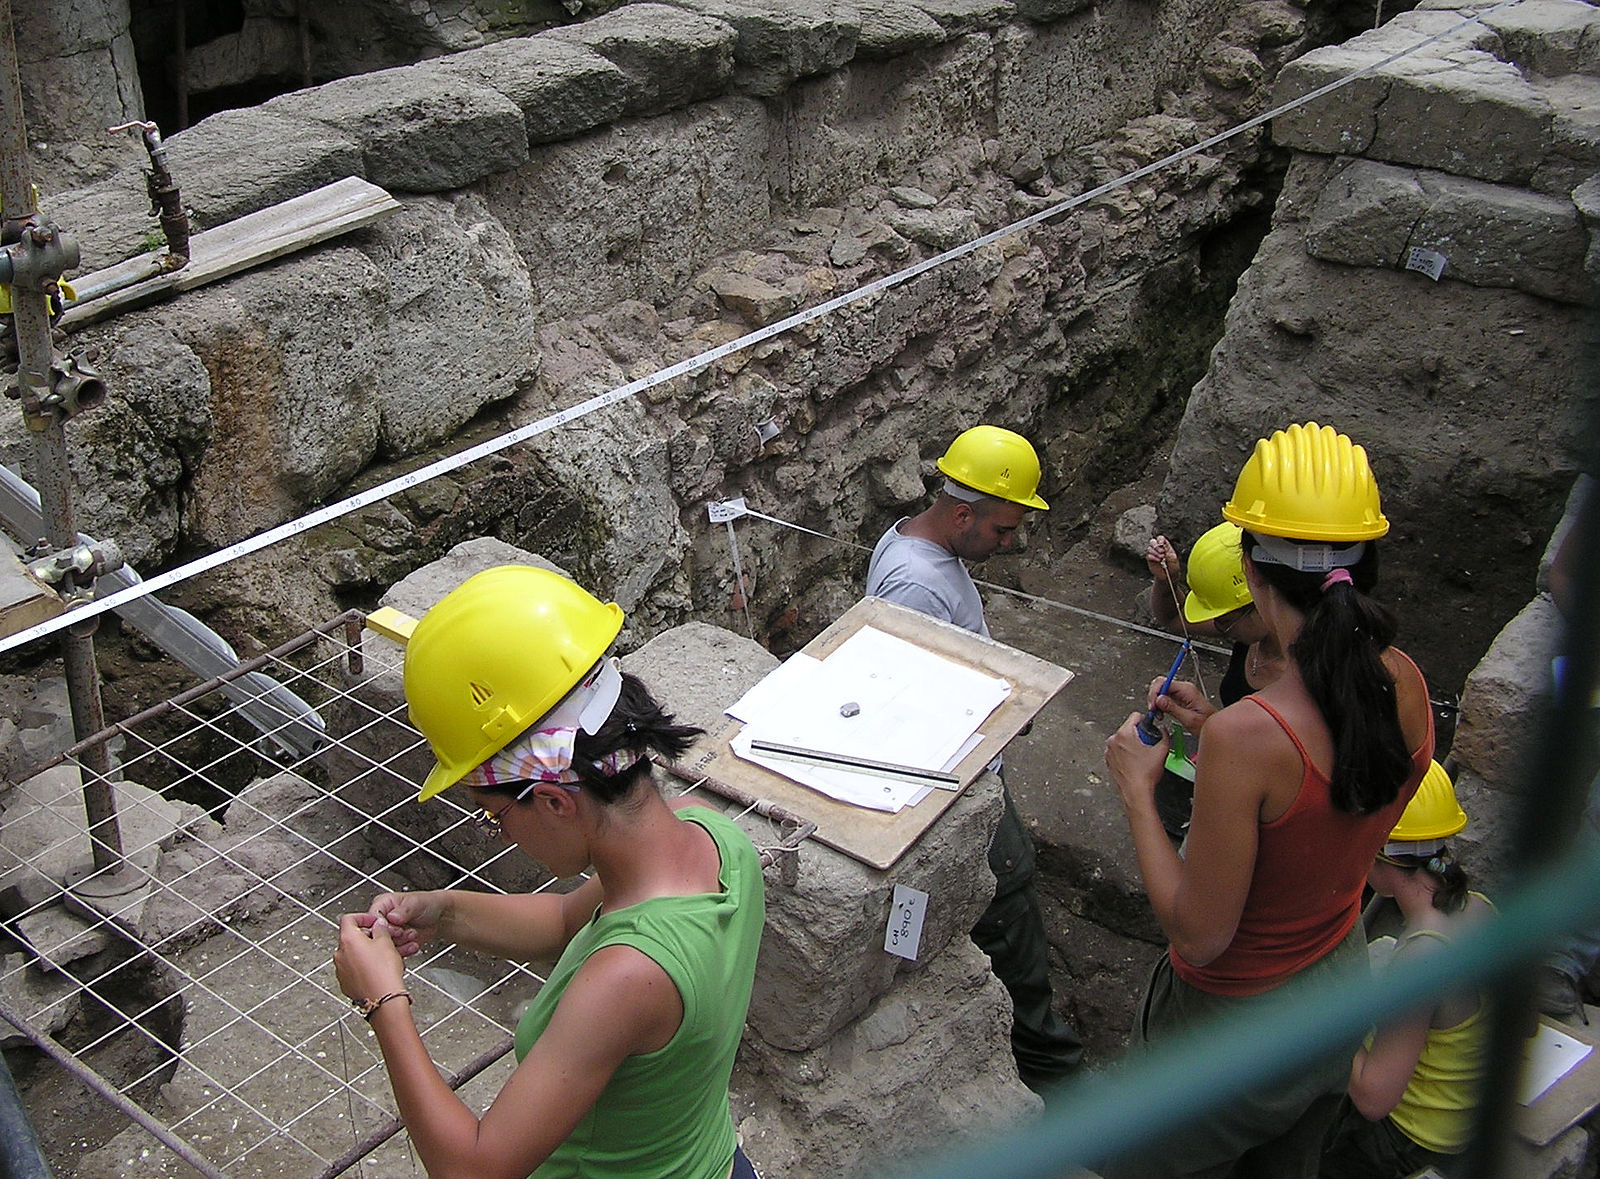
{"points": [[488, 823]]}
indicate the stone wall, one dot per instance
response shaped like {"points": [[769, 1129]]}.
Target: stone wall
{"points": [[585, 205], [1465, 389]]}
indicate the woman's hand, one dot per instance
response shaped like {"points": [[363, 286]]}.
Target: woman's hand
{"points": [[1183, 702], [1162, 560], [412, 918], [1135, 767], [366, 962]]}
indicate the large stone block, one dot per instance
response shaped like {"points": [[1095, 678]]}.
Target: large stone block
{"points": [[877, 119], [1550, 37], [238, 161], [1050, 94], [1573, 153], [670, 57], [1364, 215], [1452, 106], [1497, 236], [416, 135], [601, 219], [926, 1063], [563, 89], [1371, 214], [893, 27], [460, 302], [1504, 697], [779, 43]]}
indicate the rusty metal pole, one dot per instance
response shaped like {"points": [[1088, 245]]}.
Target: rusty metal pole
{"points": [[38, 248]]}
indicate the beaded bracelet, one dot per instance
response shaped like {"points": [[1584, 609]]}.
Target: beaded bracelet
{"points": [[365, 1007]]}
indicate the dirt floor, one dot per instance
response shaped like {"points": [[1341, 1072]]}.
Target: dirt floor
{"points": [[1103, 937]]}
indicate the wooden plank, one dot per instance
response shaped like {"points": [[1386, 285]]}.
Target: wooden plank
{"points": [[1571, 1099], [249, 241], [24, 600], [877, 838]]}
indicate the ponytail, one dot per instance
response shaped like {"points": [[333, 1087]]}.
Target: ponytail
{"points": [[637, 723], [1339, 653]]}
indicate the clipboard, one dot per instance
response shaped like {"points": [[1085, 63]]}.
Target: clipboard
{"points": [[877, 838]]}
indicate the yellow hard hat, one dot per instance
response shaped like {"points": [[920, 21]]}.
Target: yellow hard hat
{"points": [[1216, 575], [494, 655], [1308, 482], [996, 462], [1433, 812]]}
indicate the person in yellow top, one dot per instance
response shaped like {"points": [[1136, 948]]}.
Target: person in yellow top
{"points": [[1414, 1085], [624, 1055]]}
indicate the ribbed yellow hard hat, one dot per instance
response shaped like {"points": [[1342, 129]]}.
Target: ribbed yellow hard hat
{"points": [[1308, 482], [493, 656]]}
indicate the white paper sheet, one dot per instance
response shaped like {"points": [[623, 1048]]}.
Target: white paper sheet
{"points": [[1551, 1055], [912, 707]]}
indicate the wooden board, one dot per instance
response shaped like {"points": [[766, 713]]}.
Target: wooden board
{"points": [[24, 600], [250, 240], [1572, 1098], [876, 837]]}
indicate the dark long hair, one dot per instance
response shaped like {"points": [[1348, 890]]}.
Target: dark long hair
{"points": [[1339, 654], [637, 723]]}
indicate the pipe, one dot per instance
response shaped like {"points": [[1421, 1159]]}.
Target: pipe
{"points": [[20, 1154], [36, 356]]}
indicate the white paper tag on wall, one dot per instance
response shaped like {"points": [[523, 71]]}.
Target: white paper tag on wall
{"points": [[905, 922], [726, 509]]}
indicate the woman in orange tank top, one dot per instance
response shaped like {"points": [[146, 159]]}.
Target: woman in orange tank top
{"points": [[1296, 787]]}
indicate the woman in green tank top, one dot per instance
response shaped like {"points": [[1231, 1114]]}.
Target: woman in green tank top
{"points": [[624, 1055]]}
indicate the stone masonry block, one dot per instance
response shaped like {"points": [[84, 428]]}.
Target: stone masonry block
{"points": [[822, 958], [238, 161], [1364, 215], [1341, 122], [1550, 37], [1502, 698], [1573, 154], [780, 42], [929, 1061], [959, 17], [415, 135], [670, 57], [1370, 214], [1489, 124], [890, 28], [562, 89], [1497, 236], [44, 836]]}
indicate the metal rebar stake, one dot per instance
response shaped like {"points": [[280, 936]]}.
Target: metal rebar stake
{"points": [[38, 241]]}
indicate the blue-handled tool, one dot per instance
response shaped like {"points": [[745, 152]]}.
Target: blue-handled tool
{"points": [[1148, 733]]}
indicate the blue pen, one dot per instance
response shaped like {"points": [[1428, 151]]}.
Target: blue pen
{"points": [[1148, 733]]}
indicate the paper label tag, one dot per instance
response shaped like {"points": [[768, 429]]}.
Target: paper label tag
{"points": [[728, 509], [1429, 262], [905, 922]]}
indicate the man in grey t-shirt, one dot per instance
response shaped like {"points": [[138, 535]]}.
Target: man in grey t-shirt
{"points": [[991, 481]]}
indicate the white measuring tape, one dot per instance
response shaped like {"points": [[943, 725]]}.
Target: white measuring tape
{"points": [[694, 363]]}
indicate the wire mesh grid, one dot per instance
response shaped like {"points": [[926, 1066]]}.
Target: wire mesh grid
{"points": [[214, 977]]}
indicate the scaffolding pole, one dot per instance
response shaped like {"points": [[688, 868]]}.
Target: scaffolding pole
{"points": [[36, 255]]}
